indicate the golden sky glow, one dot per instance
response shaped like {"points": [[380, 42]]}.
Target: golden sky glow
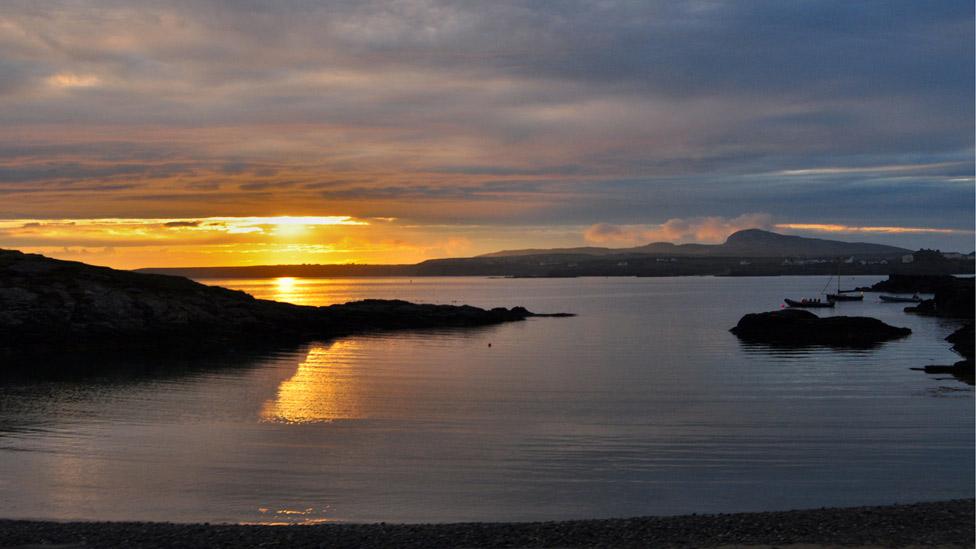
{"points": [[257, 240]]}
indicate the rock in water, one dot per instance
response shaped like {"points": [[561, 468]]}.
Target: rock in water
{"points": [[799, 327]]}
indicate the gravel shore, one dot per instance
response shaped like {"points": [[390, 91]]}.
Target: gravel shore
{"points": [[937, 524]]}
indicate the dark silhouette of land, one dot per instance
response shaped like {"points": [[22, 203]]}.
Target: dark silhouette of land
{"points": [[751, 252], [953, 298], [913, 284], [962, 341], [48, 304]]}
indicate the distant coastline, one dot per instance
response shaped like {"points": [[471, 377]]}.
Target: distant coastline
{"points": [[524, 267]]}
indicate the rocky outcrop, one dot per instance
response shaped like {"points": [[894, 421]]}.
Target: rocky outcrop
{"points": [[954, 300], [799, 327], [912, 284], [963, 342], [46, 303]]}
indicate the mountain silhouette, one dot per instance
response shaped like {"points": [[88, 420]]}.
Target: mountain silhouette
{"points": [[745, 243]]}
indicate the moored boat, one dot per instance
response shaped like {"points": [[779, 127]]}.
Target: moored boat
{"points": [[809, 303], [842, 295]]}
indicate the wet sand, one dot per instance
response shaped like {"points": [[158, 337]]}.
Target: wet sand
{"points": [[935, 524]]}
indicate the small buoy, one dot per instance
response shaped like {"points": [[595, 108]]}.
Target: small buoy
{"points": [[489, 344]]}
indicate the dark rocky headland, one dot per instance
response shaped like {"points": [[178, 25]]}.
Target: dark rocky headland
{"points": [[51, 305], [800, 327], [914, 283], [962, 341], [937, 524], [954, 298]]}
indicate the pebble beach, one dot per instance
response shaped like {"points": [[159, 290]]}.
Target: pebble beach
{"points": [[934, 524]]}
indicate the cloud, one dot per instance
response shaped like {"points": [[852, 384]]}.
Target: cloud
{"points": [[874, 169], [709, 230], [513, 112]]}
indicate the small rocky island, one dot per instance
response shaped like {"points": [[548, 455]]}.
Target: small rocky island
{"points": [[50, 304], [799, 327]]}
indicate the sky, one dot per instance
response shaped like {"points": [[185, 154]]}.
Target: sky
{"points": [[234, 132]]}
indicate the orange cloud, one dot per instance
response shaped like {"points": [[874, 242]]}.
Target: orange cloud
{"points": [[835, 228], [71, 80]]}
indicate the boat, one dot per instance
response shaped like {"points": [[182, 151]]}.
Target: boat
{"points": [[843, 295], [897, 299], [809, 303]]}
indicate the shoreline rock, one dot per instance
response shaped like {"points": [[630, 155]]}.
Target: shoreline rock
{"points": [[801, 327]]}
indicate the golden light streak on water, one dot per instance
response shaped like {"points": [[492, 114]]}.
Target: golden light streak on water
{"points": [[323, 388]]}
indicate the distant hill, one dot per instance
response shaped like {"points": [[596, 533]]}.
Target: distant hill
{"points": [[747, 243], [587, 250]]}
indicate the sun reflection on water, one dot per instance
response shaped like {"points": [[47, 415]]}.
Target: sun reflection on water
{"points": [[322, 389], [291, 517], [284, 289]]}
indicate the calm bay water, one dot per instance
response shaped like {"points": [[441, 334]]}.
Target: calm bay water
{"points": [[642, 404]]}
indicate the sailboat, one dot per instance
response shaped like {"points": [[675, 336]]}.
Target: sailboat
{"points": [[843, 295]]}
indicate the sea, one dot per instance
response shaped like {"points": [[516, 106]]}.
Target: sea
{"points": [[641, 404]]}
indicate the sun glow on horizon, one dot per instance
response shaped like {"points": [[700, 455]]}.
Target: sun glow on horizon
{"points": [[131, 243]]}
